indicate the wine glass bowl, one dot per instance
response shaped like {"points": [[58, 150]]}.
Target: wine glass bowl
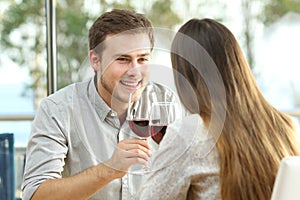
{"points": [[161, 115], [138, 120], [140, 127]]}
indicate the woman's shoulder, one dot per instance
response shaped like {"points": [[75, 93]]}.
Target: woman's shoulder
{"points": [[189, 127], [180, 140]]}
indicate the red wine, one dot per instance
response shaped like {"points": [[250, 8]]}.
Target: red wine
{"points": [[140, 127], [158, 131]]}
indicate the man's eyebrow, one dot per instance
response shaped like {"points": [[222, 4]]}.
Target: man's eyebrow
{"points": [[144, 54], [127, 55], [122, 55]]}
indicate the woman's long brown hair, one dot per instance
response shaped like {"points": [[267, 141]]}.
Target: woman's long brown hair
{"points": [[255, 136]]}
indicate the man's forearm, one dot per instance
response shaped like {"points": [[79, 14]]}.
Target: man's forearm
{"points": [[79, 186]]}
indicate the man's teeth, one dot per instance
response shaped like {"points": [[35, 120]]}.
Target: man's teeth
{"points": [[130, 84]]}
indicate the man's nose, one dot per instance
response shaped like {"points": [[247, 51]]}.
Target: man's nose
{"points": [[135, 68], [134, 71], [134, 64]]}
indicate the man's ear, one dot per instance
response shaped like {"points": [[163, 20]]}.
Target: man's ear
{"points": [[94, 60]]}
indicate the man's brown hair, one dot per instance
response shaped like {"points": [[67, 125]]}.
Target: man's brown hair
{"points": [[118, 21]]}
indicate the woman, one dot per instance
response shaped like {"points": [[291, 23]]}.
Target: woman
{"points": [[251, 136]]}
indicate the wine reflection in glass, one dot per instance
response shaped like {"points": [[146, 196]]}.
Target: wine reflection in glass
{"points": [[161, 115]]}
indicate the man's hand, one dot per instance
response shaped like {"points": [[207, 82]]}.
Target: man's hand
{"points": [[129, 152]]}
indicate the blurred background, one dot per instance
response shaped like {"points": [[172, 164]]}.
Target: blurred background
{"points": [[268, 32]]}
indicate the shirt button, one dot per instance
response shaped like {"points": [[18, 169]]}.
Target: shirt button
{"points": [[113, 114]]}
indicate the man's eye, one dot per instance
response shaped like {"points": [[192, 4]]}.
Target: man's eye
{"points": [[123, 59], [143, 60]]}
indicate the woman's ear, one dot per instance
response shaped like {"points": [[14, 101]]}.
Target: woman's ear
{"points": [[94, 60]]}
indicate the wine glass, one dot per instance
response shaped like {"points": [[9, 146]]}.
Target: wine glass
{"points": [[138, 120], [161, 115]]}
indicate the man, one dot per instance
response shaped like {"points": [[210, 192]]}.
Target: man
{"points": [[80, 145]]}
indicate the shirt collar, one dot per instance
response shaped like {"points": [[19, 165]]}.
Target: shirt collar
{"points": [[96, 100]]}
